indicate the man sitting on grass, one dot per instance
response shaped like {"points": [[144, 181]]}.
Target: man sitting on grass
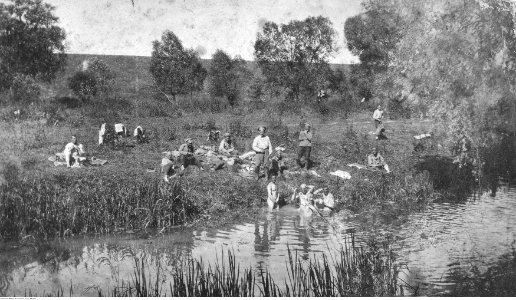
{"points": [[187, 150], [72, 152], [139, 135], [227, 147], [170, 168], [376, 161]]}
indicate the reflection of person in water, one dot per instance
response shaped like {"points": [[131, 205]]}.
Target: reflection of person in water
{"points": [[271, 231]]}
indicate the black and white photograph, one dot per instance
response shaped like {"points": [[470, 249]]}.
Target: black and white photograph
{"points": [[257, 148]]}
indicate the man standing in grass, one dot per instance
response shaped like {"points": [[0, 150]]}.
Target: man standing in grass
{"points": [[376, 161], [305, 146], [378, 116], [262, 147]]}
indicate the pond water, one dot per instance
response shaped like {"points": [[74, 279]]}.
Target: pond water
{"points": [[430, 244]]}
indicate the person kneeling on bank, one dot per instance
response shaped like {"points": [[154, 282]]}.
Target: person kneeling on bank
{"points": [[376, 161]]}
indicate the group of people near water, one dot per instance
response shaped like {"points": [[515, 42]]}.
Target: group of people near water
{"points": [[265, 159]]}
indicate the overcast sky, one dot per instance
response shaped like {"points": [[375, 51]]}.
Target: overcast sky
{"points": [[116, 27]]}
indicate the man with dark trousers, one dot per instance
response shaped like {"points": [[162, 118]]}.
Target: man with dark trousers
{"points": [[305, 146]]}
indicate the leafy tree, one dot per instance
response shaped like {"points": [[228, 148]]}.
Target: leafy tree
{"points": [[176, 70], [25, 89], [104, 76], [83, 84], [227, 76], [295, 55], [456, 62], [30, 41]]}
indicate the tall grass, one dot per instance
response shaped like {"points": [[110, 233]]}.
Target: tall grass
{"points": [[351, 272], [72, 204]]}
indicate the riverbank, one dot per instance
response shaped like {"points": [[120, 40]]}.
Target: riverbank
{"points": [[44, 201]]}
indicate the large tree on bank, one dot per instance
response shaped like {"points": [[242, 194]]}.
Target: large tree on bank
{"points": [[31, 43], [295, 55], [176, 70]]}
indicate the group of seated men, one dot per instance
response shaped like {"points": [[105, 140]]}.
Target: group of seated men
{"points": [[176, 162]]}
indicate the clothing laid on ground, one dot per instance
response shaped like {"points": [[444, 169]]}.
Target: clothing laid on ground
{"points": [[120, 129]]}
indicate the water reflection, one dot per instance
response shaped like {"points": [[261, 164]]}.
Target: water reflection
{"points": [[430, 244]]}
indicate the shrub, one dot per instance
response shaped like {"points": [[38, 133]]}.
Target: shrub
{"points": [[25, 89]]}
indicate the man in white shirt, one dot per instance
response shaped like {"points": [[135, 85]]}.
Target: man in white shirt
{"points": [[71, 152], [262, 147], [378, 116]]}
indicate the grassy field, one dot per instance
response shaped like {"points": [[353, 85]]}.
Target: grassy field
{"points": [[65, 196]]}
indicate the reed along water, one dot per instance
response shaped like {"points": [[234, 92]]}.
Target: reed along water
{"points": [[430, 247]]}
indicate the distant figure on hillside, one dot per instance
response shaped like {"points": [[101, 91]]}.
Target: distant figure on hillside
{"points": [[120, 130], [376, 161], [305, 146], [272, 193], [378, 116], [262, 147], [187, 151], [72, 153], [227, 147], [139, 135]]}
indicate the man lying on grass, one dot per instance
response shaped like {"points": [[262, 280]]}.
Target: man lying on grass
{"points": [[376, 161]]}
